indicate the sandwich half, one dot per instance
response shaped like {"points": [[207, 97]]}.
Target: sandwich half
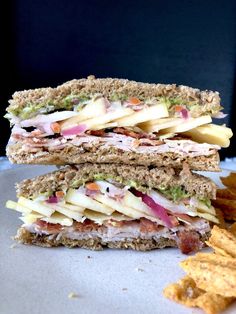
{"points": [[117, 121], [104, 205]]}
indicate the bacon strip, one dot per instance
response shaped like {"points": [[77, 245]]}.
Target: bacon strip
{"points": [[189, 241]]}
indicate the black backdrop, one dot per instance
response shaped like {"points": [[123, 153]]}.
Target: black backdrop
{"points": [[44, 43]]}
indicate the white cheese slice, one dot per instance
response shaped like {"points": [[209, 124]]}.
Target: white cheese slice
{"points": [[38, 206], [212, 134], [188, 124], [77, 198]]}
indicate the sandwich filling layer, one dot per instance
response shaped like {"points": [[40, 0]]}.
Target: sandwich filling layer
{"points": [[111, 211], [134, 126], [148, 235]]}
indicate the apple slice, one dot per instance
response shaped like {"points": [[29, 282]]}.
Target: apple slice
{"points": [[105, 126], [93, 109], [146, 114], [74, 197], [159, 124], [108, 117], [128, 211], [71, 207], [212, 134], [38, 207], [18, 207], [166, 136], [99, 218], [68, 213], [208, 217], [135, 202], [58, 218], [188, 124], [29, 219]]}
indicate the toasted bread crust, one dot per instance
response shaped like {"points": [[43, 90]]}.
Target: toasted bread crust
{"points": [[25, 237], [97, 154], [74, 176], [107, 87]]}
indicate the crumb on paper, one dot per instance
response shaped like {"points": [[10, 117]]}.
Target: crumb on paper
{"points": [[14, 245], [89, 256], [124, 289], [139, 269], [149, 260], [73, 295]]}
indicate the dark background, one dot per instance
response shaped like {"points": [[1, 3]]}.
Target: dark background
{"points": [[44, 43]]}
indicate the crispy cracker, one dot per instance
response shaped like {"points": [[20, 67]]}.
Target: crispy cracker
{"points": [[232, 229], [217, 249], [223, 241], [187, 293], [220, 217], [229, 181], [228, 193], [228, 207], [210, 283], [212, 273]]}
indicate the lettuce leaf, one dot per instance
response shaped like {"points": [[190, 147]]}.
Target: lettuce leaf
{"points": [[175, 193]]}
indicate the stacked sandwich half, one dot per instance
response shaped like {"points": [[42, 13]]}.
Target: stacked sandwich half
{"points": [[129, 150]]}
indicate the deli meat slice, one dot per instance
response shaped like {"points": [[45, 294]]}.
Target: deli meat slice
{"points": [[111, 231]]}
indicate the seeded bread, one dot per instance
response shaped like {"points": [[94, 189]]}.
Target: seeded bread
{"points": [[108, 87], [95, 153], [139, 244], [74, 176]]}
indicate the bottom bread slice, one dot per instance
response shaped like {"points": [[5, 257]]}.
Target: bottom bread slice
{"points": [[96, 153], [186, 240]]}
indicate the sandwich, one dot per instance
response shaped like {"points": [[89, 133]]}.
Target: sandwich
{"points": [[117, 206], [117, 121]]}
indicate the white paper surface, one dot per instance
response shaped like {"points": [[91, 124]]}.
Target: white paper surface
{"points": [[38, 280]]}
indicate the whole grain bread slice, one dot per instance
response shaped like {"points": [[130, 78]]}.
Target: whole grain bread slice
{"points": [[95, 153], [140, 176], [109, 87]]}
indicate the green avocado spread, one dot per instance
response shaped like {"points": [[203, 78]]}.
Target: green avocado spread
{"points": [[77, 102], [175, 193]]}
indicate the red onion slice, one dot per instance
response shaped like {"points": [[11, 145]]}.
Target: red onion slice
{"points": [[184, 113], [78, 129], [160, 211], [91, 193], [52, 200]]}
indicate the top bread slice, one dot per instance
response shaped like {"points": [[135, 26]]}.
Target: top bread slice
{"points": [[111, 88]]}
